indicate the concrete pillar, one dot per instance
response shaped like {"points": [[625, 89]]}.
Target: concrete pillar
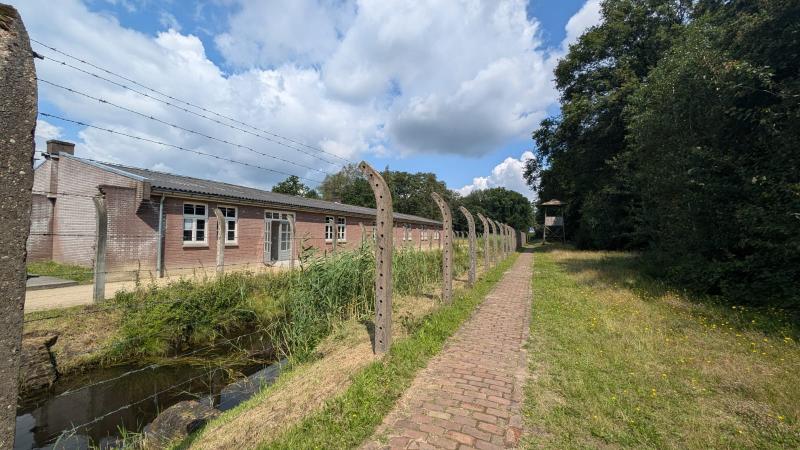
{"points": [[101, 242], [220, 241], [472, 245], [446, 239], [384, 237], [17, 125], [486, 255]]}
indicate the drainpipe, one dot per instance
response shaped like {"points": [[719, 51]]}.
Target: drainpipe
{"points": [[160, 248]]}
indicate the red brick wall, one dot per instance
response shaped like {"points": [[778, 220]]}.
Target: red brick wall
{"points": [[132, 232], [74, 222], [40, 242]]}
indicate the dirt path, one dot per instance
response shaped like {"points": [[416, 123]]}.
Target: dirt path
{"points": [[470, 395]]}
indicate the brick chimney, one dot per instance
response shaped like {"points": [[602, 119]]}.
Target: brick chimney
{"points": [[55, 147]]}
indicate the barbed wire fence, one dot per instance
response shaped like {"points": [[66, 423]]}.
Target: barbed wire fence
{"points": [[381, 234]]}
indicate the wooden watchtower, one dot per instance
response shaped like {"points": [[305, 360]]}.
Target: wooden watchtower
{"points": [[554, 224]]}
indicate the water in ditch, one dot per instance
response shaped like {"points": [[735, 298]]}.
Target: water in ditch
{"points": [[45, 421]]}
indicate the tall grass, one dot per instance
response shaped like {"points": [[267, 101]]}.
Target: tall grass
{"points": [[294, 309]]}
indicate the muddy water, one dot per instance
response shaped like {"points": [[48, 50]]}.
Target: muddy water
{"points": [[117, 404]]}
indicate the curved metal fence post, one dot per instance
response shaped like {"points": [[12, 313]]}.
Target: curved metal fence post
{"points": [[472, 245], [485, 224], [384, 233], [447, 253], [100, 249], [17, 125], [220, 241]]}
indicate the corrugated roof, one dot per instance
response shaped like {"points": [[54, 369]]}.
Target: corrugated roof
{"points": [[162, 181]]}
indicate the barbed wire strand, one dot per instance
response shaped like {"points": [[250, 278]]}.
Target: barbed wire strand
{"points": [[179, 127], [177, 147], [144, 94], [187, 102], [154, 365]]}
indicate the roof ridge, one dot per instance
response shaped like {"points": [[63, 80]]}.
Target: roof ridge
{"points": [[289, 198]]}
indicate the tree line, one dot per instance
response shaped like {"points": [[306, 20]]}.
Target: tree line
{"points": [[411, 194], [679, 135]]}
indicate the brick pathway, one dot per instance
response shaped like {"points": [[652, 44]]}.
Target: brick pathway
{"points": [[469, 396]]}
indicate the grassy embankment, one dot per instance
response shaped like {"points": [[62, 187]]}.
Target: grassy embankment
{"points": [[345, 420], [622, 361], [294, 309]]}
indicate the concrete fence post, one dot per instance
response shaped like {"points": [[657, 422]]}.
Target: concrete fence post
{"points": [[363, 233], [493, 241], [293, 250], [335, 236], [17, 126], [384, 237], [220, 240], [101, 242], [472, 245], [447, 242], [485, 241]]}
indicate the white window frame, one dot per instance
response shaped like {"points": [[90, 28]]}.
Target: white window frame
{"points": [[329, 221], [194, 218], [423, 233], [436, 235], [341, 229], [407, 232], [235, 220]]}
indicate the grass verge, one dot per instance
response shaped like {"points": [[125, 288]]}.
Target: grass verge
{"points": [[619, 360], [83, 275], [348, 419]]}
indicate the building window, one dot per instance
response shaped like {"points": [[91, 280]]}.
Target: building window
{"points": [[436, 235], [231, 230], [341, 229], [195, 217], [329, 228], [406, 232], [423, 233]]}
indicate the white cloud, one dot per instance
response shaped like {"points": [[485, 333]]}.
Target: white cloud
{"points": [[270, 33], [349, 76], [169, 21], [587, 16], [44, 132], [507, 174]]}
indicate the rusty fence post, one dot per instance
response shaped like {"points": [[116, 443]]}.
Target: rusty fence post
{"points": [[17, 124], [472, 245], [485, 241], [446, 238], [101, 242], [220, 241], [384, 221]]}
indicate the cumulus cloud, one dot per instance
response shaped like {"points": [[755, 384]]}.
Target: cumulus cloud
{"points": [[507, 174], [270, 33], [351, 77], [44, 132], [587, 16]]}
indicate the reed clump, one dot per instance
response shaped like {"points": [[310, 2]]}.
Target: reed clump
{"points": [[294, 309]]}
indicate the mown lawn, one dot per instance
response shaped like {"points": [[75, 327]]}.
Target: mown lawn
{"points": [[620, 361], [83, 275]]}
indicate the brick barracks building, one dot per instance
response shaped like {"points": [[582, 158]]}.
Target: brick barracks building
{"points": [[160, 222]]}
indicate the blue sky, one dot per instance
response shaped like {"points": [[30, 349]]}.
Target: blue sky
{"points": [[453, 88]]}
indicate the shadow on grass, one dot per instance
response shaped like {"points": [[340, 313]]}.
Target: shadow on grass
{"points": [[627, 270]]}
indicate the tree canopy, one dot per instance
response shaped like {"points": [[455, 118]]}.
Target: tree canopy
{"points": [[678, 135], [411, 194], [293, 186]]}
